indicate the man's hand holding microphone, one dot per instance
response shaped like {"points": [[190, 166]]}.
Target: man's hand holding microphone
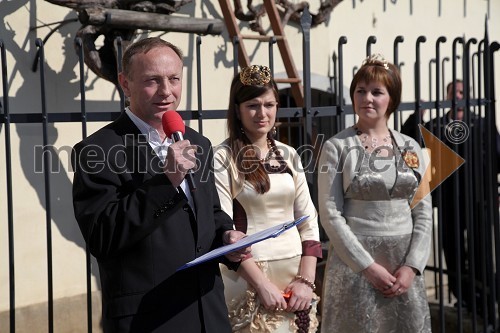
{"points": [[181, 157]]}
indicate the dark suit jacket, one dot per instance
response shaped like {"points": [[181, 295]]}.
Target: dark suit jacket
{"points": [[141, 229]]}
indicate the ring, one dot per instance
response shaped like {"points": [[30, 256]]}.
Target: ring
{"points": [[390, 285], [398, 291]]}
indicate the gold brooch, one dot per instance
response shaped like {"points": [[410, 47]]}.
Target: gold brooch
{"points": [[255, 75], [411, 159], [376, 59]]}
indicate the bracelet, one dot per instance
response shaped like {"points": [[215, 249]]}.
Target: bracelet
{"points": [[306, 281]]}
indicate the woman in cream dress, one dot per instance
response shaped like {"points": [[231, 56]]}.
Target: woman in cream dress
{"points": [[379, 241], [261, 183]]}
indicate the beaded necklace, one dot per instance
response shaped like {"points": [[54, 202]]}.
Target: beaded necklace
{"points": [[372, 142], [270, 152]]}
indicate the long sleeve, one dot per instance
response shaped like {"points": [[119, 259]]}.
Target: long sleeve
{"points": [[224, 178], [331, 203], [303, 205], [223, 222], [421, 214]]}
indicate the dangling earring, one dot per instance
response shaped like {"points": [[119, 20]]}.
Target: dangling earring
{"points": [[242, 130], [273, 132]]}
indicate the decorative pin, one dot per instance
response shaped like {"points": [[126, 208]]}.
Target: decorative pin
{"points": [[411, 159]]}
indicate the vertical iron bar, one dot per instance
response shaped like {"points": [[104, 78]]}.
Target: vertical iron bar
{"points": [[484, 240], [420, 40], [335, 90], [443, 85], [371, 40], [438, 193], [435, 253], [46, 173], [198, 83], [488, 179], [473, 77], [468, 184], [478, 186], [456, 196], [432, 61], [305, 23], [478, 146], [8, 172], [272, 41], [397, 40], [342, 41], [119, 55], [83, 111], [491, 159], [335, 78], [236, 44]]}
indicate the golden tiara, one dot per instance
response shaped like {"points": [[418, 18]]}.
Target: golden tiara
{"points": [[376, 59], [255, 75]]}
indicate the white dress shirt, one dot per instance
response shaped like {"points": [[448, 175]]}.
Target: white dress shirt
{"points": [[159, 146]]}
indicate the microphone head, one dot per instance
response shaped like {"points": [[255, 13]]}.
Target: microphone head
{"points": [[172, 122]]}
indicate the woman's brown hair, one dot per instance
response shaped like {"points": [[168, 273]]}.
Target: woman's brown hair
{"points": [[250, 83], [376, 68]]}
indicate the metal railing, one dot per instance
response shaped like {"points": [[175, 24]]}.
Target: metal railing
{"points": [[301, 126]]}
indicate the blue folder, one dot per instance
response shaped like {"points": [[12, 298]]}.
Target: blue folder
{"points": [[271, 232]]}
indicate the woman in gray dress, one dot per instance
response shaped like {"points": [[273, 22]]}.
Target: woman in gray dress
{"points": [[379, 238]]}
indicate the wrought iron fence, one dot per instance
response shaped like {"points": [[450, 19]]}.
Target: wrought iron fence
{"points": [[323, 114]]}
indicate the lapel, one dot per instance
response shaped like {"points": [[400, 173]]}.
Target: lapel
{"points": [[137, 147], [145, 159]]}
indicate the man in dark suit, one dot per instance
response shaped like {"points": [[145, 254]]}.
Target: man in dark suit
{"points": [[137, 214]]}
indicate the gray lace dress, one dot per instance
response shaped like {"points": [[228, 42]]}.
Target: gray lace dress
{"points": [[366, 213]]}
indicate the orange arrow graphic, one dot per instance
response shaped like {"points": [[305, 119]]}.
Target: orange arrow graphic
{"points": [[443, 162]]}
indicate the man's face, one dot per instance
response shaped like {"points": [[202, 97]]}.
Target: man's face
{"points": [[154, 84], [459, 93]]}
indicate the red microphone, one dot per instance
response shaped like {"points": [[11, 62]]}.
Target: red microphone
{"points": [[174, 128]]}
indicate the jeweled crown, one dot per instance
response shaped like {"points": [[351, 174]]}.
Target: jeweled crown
{"points": [[376, 59], [255, 75]]}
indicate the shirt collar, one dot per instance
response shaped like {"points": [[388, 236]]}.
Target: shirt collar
{"points": [[149, 131]]}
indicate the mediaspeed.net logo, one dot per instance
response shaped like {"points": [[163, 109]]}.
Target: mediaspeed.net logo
{"points": [[443, 160]]}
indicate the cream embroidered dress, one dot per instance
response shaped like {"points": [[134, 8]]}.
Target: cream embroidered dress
{"points": [[364, 206], [278, 258]]}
